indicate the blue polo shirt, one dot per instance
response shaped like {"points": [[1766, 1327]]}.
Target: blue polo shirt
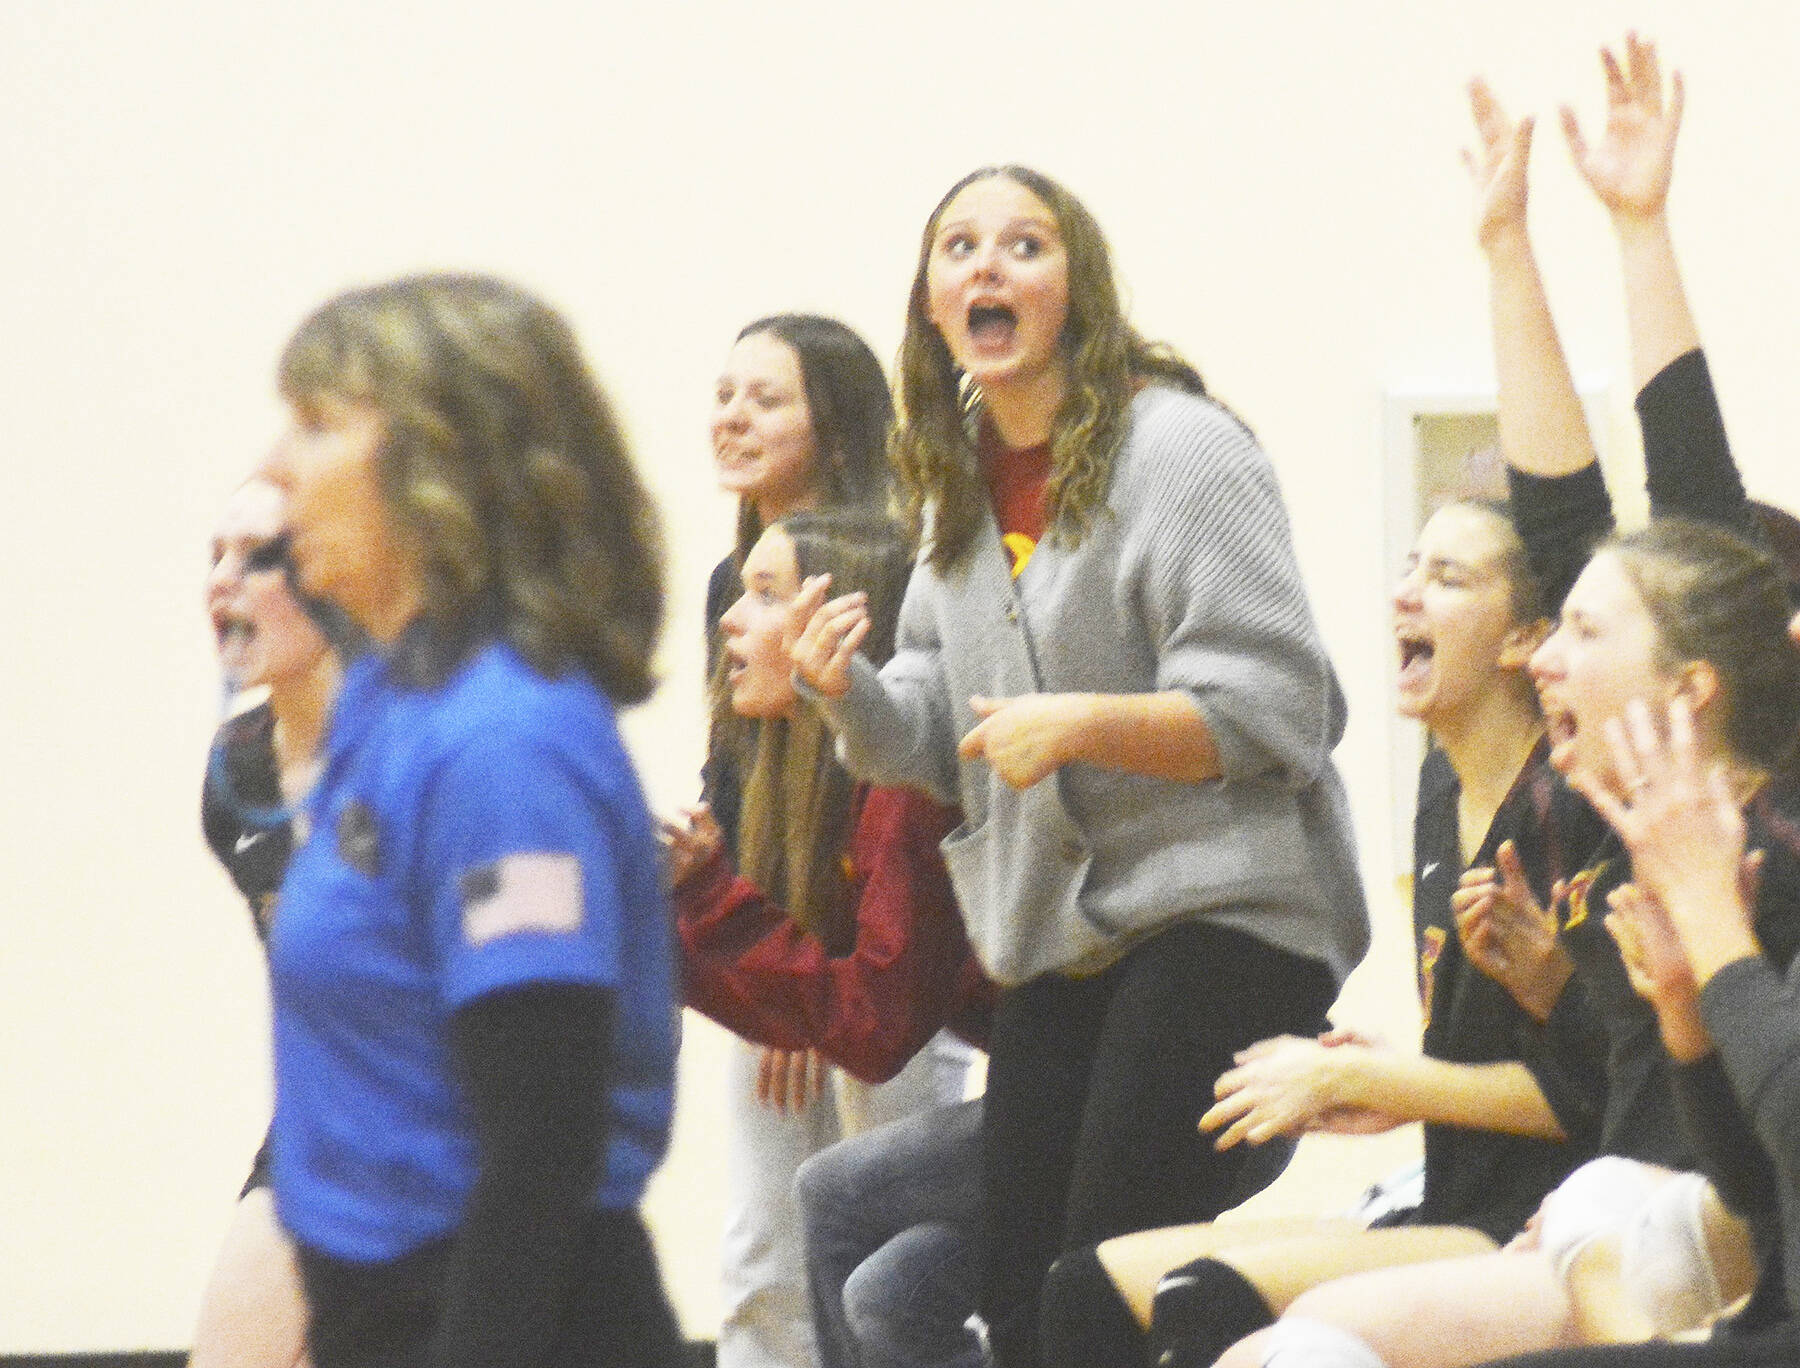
{"points": [[464, 840]]}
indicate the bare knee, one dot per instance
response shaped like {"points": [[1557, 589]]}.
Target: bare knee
{"points": [[1246, 1353]]}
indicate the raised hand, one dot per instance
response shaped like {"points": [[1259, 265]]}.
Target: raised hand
{"points": [[829, 635], [1658, 969], [1654, 960], [1497, 165], [1685, 830], [689, 842], [789, 1081], [1508, 936], [1025, 739], [1630, 168]]}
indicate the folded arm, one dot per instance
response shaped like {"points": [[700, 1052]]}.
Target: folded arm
{"points": [[753, 969]]}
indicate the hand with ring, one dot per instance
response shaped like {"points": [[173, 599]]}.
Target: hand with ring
{"points": [[1684, 828]]}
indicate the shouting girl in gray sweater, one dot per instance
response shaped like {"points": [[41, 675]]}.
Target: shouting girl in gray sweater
{"points": [[1107, 659]]}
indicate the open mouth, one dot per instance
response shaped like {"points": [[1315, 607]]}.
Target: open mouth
{"points": [[1561, 729], [735, 666], [231, 630], [234, 637], [1416, 655], [992, 325]]}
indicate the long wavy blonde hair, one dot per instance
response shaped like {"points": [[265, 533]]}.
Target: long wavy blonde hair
{"points": [[503, 466], [938, 412]]}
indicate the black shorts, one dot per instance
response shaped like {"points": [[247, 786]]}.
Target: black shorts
{"points": [[383, 1315]]}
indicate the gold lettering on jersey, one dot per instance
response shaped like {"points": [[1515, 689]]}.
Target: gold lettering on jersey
{"points": [[1580, 888], [1431, 950]]}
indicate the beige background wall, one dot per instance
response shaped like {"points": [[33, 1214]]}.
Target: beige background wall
{"points": [[179, 182]]}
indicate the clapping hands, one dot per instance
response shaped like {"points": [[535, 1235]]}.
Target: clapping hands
{"points": [[1509, 936], [689, 841], [829, 635]]}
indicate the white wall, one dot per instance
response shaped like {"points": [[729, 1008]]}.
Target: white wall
{"points": [[179, 182]]}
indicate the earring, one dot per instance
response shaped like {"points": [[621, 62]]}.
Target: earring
{"points": [[968, 393]]}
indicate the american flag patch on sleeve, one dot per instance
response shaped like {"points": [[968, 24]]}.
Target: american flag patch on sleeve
{"points": [[526, 892]]}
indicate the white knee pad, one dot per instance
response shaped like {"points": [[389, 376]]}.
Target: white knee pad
{"points": [[1664, 1264], [1298, 1342], [1600, 1196]]}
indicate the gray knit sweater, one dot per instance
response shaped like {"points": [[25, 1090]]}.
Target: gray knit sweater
{"points": [[1186, 580], [1753, 1016]]}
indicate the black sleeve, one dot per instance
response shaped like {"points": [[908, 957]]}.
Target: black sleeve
{"points": [[1688, 469], [1729, 1153], [1560, 518], [1567, 1057], [533, 1063]]}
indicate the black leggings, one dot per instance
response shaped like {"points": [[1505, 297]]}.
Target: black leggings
{"points": [[383, 1315], [1094, 1088]]}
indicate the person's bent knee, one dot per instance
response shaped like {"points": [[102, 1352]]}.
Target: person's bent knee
{"points": [[824, 1181], [1665, 1261], [874, 1302], [1084, 1322], [1200, 1310], [1596, 1199], [910, 1301]]}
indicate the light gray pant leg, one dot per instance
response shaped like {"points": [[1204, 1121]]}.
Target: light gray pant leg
{"points": [[767, 1319]]}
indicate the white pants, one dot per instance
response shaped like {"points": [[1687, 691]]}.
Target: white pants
{"points": [[768, 1322]]}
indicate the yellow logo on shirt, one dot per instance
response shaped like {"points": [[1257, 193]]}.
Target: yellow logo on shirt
{"points": [[1431, 950], [1580, 888], [1019, 548]]}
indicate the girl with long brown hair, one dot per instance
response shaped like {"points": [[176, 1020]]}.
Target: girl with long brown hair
{"points": [[800, 419], [1107, 658], [836, 930]]}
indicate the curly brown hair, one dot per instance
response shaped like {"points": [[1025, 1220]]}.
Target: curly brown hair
{"points": [[503, 467], [933, 446]]}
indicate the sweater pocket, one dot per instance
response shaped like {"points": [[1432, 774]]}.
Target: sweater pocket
{"points": [[1020, 893]]}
